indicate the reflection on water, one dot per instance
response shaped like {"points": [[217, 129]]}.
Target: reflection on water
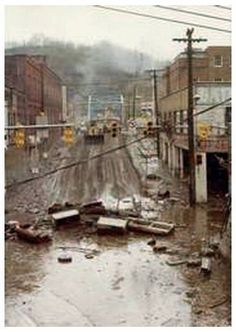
{"points": [[24, 268], [125, 284]]}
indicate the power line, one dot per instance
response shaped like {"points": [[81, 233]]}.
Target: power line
{"points": [[161, 18], [79, 162], [194, 13], [212, 107], [223, 7], [202, 112]]}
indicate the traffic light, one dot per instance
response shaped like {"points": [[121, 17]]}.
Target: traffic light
{"points": [[19, 138], [68, 135], [114, 129], [149, 131], [203, 130]]}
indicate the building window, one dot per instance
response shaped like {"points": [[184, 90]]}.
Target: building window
{"points": [[218, 79], [218, 61]]}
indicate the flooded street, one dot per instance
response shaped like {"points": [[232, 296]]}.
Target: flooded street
{"points": [[115, 280], [124, 285]]}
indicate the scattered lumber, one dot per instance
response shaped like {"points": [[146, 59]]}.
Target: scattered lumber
{"points": [[64, 217], [105, 224], [158, 228]]}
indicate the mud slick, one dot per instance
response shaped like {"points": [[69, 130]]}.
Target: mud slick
{"points": [[125, 277]]}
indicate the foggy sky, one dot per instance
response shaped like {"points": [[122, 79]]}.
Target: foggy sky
{"points": [[90, 25]]}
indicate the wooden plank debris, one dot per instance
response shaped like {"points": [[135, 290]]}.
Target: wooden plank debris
{"points": [[105, 224], [65, 217], [158, 228]]}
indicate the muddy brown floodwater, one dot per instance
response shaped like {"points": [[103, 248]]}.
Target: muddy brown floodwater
{"points": [[122, 283], [125, 284]]}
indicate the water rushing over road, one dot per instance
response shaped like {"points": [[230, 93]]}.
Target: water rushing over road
{"points": [[124, 285]]}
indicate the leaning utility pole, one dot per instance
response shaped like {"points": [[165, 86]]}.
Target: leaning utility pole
{"points": [[191, 146]]}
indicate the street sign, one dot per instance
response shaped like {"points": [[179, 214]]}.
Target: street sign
{"points": [[203, 130]]}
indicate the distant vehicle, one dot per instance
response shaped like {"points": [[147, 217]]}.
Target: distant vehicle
{"points": [[105, 106], [96, 129]]}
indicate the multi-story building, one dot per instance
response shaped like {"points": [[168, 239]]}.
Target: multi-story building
{"points": [[212, 87], [31, 89]]}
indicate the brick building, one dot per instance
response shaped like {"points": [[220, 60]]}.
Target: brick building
{"points": [[212, 85], [31, 88], [212, 64]]}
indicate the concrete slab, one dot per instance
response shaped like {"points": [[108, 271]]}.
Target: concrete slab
{"points": [[112, 224], [65, 216]]}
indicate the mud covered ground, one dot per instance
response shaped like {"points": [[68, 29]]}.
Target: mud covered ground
{"points": [[125, 283]]}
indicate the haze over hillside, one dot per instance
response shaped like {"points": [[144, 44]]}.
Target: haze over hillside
{"points": [[82, 64]]}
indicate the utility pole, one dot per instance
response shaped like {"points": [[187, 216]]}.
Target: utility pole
{"points": [[156, 108], [134, 102], [191, 146], [156, 112]]}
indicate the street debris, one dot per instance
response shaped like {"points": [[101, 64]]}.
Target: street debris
{"points": [[93, 207], [163, 194], [63, 217], [208, 252], [55, 207], [152, 242], [30, 234], [116, 225], [152, 176], [219, 303], [86, 251], [64, 258], [175, 263], [159, 228], [193, 262], [191, 292], [173, 199], [96, 210], [205, 265], [89, 256], [159, 248]]}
